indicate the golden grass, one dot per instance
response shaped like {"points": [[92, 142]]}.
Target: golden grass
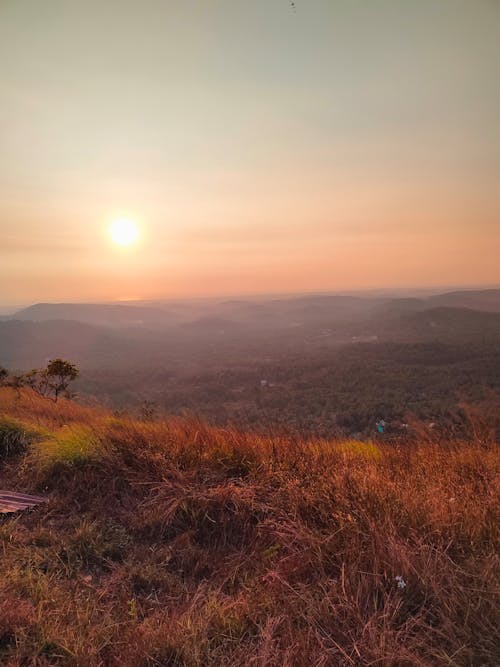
{"points": [[175, 543]]}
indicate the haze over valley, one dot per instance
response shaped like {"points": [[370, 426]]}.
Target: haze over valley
{"points": [[325, 364]]}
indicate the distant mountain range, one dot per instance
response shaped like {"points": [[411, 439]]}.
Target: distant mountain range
{"points": [[112, 315], [292, 308], [485, 300], [176, 333]]}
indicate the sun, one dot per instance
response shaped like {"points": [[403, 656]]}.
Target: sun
{"points": [[123, 232]]}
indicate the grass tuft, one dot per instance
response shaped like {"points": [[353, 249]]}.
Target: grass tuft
{"points": [[71, 445], [15, 437]]}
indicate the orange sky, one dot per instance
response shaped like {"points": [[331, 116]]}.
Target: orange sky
{"points": [[344, 145]]}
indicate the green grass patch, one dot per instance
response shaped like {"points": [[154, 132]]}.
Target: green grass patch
{"points": [[74, 445]]}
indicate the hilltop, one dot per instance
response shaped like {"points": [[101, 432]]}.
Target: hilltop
{"points": [[171, 542]]}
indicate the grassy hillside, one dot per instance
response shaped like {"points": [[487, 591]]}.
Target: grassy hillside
{"points": [[173, 543]]}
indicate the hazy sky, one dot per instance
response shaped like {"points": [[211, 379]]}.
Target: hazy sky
{"points": [[347, 144]]}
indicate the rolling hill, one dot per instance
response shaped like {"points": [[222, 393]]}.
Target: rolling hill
{"points": [[112, 315]]}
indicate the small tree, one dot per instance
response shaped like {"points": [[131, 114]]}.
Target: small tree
{"points": [[60, 374], [52, 381], [4, 373]]}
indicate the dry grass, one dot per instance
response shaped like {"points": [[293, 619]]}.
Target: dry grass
{"points": [[174, 543]]}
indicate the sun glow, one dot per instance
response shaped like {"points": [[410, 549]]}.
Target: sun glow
{"points": [[123, 232]]}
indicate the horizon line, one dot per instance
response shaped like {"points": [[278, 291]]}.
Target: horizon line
{"points": [[14, 306]]}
